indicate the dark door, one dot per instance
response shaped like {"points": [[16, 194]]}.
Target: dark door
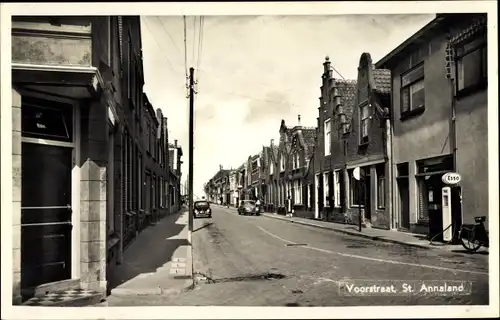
{"points": [[320, 196], [367, 195], [404, 203], [456, 210], [45, 214], [434, 207]]}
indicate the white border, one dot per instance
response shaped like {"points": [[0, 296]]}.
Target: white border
{"points": [[244, 8]]}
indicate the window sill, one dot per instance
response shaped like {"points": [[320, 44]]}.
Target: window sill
{"points": [[380, 208], [482, 86], [412, 113], [364, 144], [357, 206]]}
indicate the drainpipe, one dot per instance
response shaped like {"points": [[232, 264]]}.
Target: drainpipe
{"points": [[453, 139], [388, 141]]}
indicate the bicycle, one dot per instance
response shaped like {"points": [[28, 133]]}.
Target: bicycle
{"points": [[474, 236]]}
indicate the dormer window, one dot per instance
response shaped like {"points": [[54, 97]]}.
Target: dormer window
{"points": [[364, 111], [282, 163]]}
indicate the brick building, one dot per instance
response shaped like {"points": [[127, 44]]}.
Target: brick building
{"points": [[77, 149]]}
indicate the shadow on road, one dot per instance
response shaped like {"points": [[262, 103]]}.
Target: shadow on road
{"points": [[152, 249], [205, 225], [481, 252]]}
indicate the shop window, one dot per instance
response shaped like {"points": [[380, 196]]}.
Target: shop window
{"points": [[412, 91], [357, 191], [380, 186], [423, 199], [326, 188], [336, 187], [471, 62], [46, 123]]}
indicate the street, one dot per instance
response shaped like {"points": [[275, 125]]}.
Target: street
{"points": [[258, 261]]}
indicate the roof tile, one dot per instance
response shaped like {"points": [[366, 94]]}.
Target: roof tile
{"points": [[382, 79]]}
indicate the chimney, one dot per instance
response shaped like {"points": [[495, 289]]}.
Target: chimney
{"points": [[220, 167], [175, 143], [272, 142], [298, 117]]}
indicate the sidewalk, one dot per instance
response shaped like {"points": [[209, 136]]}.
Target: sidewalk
{"points": [[158, 262], [398, 237]]}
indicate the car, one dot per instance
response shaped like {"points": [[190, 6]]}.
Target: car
{"points": [[202, 209], [248, 207]]}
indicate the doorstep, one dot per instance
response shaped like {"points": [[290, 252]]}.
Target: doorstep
{"points": [[66, 298]]}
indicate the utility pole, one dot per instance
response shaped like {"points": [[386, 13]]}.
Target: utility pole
{"points": [[191, 147]]}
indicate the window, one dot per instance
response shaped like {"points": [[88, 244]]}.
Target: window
{"points": [[129, 67], [140, 181], [364, 121], [336, 188], [148, 138], [423, 199], [357, 191], [326, 188], [153, 192], [297, 191], [271, 167], [412, 90], [471, 65], [282, 163], [380, 186], [161, 192], [327, 127]]}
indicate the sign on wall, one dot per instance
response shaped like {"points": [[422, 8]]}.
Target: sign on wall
{"points": [[451, 178]]}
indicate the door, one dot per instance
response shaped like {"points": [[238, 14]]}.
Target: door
{"points": [[434, 206], [404, 203], [45, 214], [367, 195]]}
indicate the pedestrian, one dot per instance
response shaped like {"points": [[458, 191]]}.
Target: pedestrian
{"points": [[289, 206], [257, 205]]}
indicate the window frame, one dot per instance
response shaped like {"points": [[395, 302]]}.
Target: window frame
{"points": [[328, 145], [362, 120], [326, 189], [481, 46], [336, 188], [381, 178], [412, 110]]}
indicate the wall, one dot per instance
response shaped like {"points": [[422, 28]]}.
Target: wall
{"points": [[472, 154]]}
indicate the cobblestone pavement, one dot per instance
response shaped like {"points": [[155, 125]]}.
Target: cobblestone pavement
{"points": [[258, 261]]}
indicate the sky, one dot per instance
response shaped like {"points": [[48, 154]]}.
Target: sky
{"points": [[252, 72]]}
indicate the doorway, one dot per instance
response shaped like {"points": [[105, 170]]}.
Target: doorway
{"points": [[46, 214], [367, 194], [404, 203]]}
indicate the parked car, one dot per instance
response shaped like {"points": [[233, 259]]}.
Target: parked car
{"points": [[202, 209], [248, 207]]}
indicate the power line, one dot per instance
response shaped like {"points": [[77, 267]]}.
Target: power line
{"points": [[159, 47], [185, 49], [337, 72], [200, 42], [168, 34], [194, 37]]}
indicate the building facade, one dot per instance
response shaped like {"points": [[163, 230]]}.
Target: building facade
{"points": [[77, 111], [439, 79]]}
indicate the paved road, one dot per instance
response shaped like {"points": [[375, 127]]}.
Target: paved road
{"points": [[258, 261]]}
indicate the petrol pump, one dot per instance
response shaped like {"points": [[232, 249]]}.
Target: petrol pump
{"points": [[451, 206]]}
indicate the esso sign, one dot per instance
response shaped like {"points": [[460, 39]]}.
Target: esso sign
{"points": [[451, 178]]}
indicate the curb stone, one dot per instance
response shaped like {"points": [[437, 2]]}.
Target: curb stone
{"points": [[352, 233]]}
